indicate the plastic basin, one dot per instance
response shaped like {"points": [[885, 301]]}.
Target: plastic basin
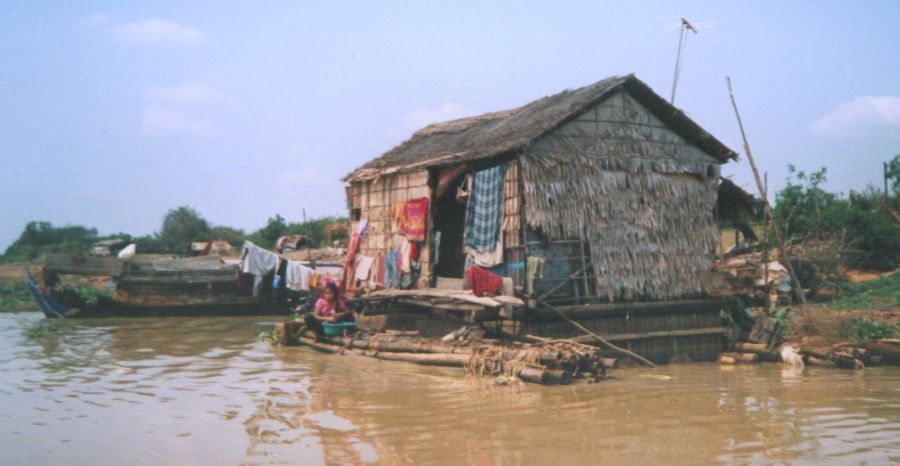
{"points": [[334, 330]]}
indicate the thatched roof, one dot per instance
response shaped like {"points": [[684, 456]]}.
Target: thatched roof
{"points": [[499, 133]]}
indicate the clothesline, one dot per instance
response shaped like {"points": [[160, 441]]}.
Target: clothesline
{"points": [[260, 262]]}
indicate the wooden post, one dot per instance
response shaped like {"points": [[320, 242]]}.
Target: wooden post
{"points": [[795, 282], [766, 248]]}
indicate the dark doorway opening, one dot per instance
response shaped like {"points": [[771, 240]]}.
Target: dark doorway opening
{"points": [[450, 221]]}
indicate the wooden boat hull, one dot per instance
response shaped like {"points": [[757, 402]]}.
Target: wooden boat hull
{"points": [[54, 309]]}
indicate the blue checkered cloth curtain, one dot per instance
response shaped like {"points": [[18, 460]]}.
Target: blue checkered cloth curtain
{"points": [[485, 211]]}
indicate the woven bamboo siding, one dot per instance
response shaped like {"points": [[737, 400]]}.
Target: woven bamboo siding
{"points": [[375, 199], [640, 195], [514, 252], [512, 228]]}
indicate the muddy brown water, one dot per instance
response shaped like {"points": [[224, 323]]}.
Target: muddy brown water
{"points": [[203, 391]]}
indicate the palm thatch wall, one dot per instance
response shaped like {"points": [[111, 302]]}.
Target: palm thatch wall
{"points": [[638, 193]]}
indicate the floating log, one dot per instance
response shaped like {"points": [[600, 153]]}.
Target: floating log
{"points": [[394, 346], [402, 333], [842, 360], [448, 360], [452, 360], [888, 350], [750, 347], [545, 376], [819, 362], [738, 358]]}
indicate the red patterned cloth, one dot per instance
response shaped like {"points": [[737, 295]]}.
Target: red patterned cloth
{"points": [[415, 213], [483, 282]]}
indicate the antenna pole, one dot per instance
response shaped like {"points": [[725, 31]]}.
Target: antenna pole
{"points": [[685, 24]]}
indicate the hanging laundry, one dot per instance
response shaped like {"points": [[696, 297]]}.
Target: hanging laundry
{"points": [[298, 276], [484, 213], [363, 228], [379, 277], [405, 256], [257, 262], [376, 275], [486, 259], [363, 267], [398, 217], [483, 282], [415, 213], [534, 269], [447, 177], [347, 277], [391, 269]]}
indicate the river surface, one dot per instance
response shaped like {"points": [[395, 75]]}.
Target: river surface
{"points": [[203, 390]]}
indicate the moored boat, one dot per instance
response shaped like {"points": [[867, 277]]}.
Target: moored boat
{"points": [[206, 285]]}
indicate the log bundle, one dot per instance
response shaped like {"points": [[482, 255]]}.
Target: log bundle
{"points": [[549, 363]]}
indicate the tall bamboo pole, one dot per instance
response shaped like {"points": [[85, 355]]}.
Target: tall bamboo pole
{"points": [[762, 192]]}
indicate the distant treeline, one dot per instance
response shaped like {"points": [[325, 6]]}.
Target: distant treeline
{"points": [[180, 227], [864, 226]]}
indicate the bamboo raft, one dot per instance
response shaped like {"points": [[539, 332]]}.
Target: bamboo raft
{"points": [[547, 362]]}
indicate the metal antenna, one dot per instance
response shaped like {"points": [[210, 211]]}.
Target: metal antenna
{"points": [[685, 25]]}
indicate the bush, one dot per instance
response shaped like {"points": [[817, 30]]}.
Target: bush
{"points": [[862, 329], [807, 212]]}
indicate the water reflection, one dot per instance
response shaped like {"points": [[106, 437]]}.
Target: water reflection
{"points": [[202, 391]]}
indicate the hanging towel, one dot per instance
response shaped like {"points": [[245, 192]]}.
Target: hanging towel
{"points": [[298, 276], [405, 256], [363, 267], [484, 214], [534, 269], [415, 213], [258, 262]]}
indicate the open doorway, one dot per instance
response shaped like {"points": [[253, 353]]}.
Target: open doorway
{"points": [[450, 220]]}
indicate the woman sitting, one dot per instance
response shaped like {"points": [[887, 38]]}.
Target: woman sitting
{"points": [[329, 308]]}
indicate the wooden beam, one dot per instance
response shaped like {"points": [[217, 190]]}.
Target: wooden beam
{"points": [[621, 309]]}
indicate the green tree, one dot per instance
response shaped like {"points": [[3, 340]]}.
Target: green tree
{"points": [[893, 174], [39, 238], [180, 227], [802, 205], [275, 228]]}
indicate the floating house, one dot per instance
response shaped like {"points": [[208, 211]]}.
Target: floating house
{"points": [[598, 202]]}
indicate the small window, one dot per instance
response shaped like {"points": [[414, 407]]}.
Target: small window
{"points": [[355, 214]]}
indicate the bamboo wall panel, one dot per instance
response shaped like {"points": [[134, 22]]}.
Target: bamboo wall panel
{"points": [[376, 199]]}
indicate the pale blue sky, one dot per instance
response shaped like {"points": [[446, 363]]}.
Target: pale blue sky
{"points": [[113, 112]]}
